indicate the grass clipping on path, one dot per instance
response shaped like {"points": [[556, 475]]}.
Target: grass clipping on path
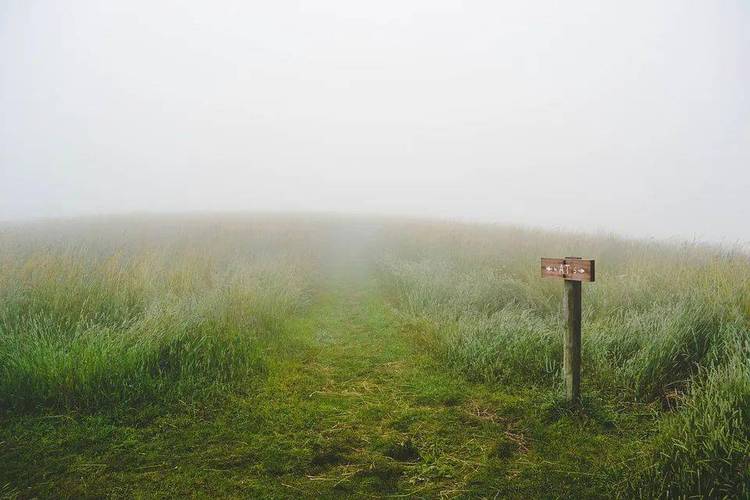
{"points": [[663, 324]]}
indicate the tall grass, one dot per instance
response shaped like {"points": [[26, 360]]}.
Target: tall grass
{"points": [[704, 448], [151, 319], [664, 323]]}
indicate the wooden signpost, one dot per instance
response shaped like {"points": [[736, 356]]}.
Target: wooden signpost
{"points": [[574, 270]]}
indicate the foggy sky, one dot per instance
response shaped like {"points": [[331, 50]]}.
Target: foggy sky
{"points": [[629, 117]]}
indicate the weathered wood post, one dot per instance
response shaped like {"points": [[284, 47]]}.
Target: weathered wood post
{"points": [[574, 271], [572, 339]]}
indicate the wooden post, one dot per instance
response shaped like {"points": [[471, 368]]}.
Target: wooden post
{"points": [[574, 271], [572, 342]]}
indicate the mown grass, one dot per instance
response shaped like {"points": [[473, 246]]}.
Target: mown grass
{"points": [[318, 356]]}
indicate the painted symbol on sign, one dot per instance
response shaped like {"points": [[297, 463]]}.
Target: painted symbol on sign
{"points": [[565, 269], [568, 268]]}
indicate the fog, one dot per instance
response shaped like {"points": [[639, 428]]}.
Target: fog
{"points": [[625, 117]]}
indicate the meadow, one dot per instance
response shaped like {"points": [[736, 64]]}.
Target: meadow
{"points": [[322, 356]]}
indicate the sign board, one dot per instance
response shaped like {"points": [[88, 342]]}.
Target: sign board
{"points": [[573, 270], [569, 268]]}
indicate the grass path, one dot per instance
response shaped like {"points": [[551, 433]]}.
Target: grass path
{"points": [[349, 406]]}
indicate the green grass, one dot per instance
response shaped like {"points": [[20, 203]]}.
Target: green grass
{"points": [[274, 356], [664, 325]]}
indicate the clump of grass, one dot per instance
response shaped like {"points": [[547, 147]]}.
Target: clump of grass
{"points": [[703, 449], [509, 344]]}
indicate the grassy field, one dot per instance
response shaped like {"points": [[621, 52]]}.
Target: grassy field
{"points": [[290, 356]]}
